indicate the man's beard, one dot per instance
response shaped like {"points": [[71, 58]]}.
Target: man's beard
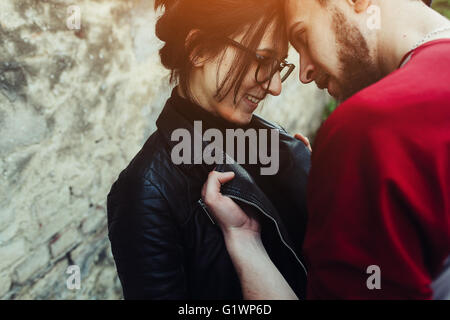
{"points": [[358, 70]]}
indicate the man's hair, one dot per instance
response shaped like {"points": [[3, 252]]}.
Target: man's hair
{"points": [[427, 2]]}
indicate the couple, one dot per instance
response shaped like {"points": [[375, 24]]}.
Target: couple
{"points": [[378, 192]]}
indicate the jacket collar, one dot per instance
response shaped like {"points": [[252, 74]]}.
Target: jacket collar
{"points": [[243, 186]]}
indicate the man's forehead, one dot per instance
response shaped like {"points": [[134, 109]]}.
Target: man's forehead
{"points": [[297, 12], [291, 5], [293, 12]]}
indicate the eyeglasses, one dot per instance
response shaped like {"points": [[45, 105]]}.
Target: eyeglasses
{"points": [[267, 66]]}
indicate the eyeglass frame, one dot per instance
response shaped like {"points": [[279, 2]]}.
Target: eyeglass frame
{"points": [[281, 64]]}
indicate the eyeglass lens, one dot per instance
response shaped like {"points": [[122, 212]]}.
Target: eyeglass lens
{"points": [[266, 71]]}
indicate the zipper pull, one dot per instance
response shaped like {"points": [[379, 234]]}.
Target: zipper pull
{"points": [[203, 205]]}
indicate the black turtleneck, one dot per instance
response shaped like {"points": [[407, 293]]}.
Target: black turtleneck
{"points": [[193, 112]]}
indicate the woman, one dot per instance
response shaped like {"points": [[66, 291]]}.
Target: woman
{"points": [[225, 56]]}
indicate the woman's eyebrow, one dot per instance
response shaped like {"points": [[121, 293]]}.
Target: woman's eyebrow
{"points": [[273, 53], [269, 50]]}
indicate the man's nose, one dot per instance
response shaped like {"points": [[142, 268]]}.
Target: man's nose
{"points": [[273, 86], [306, 70]]}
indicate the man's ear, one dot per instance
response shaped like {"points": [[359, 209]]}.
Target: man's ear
{"points": [[360, 6], [195, 55]]}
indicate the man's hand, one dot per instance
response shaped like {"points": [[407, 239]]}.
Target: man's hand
{"points": [[303, 139], [229, 216]]}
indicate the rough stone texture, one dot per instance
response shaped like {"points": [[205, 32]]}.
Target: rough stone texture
{"points": [[5, 284], [12, 252], [62, 243], [51, 285], [75, 107], [37, 261]]}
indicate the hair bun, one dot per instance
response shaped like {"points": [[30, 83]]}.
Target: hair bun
{"points": [[167, 4], [169, 30], [168, 24]]}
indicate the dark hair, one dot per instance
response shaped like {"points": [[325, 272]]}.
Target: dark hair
{"points": [[215, 19]]}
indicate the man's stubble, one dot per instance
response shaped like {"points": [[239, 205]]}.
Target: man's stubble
{"points": [[358, 69]]}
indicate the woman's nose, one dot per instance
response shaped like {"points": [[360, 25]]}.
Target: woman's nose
{"points": [[273, 86]]}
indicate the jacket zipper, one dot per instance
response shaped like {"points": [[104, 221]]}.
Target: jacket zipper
{"points": [[202, 204]]}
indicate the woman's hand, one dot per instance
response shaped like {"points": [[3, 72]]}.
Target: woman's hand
{"points": [[229, 215], [259, 277]]}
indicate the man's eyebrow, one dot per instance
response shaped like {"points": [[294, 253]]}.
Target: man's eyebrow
{"points": [[291, 30]]}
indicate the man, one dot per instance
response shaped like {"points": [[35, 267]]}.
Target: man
{"points": [[379, 187]]}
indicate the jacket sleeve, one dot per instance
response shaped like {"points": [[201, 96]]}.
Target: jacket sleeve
{"points": [[145, 242]]}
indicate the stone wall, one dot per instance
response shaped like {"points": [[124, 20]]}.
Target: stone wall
{"points": [[75, 107]]}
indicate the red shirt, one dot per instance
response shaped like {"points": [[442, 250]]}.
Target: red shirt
{"points": [[379, 188]]}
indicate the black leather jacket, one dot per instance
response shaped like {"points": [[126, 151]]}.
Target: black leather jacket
{"points": [[165, 243]]}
